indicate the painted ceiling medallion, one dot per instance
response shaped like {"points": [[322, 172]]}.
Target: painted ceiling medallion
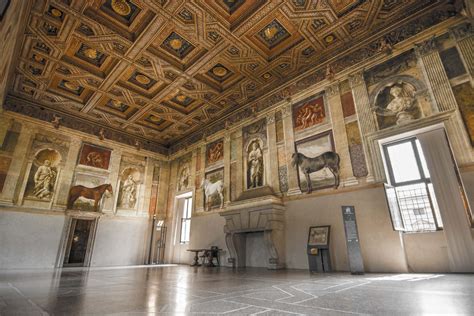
{"points": [[273, 34], [142, 79], [232, 5], [176, 45], [56, 13], [71, 85], [182, 99], [219, 71], [117, 105], [330, 38], [90, 53], [121, 7]]}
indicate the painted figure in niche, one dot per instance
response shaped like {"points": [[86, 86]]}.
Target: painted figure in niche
{"points": [[255, 165], [183, 179], [398, 100], [44, 178], [129, 193]]}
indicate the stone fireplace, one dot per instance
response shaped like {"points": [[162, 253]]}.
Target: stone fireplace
{"points": [[256, 214]]}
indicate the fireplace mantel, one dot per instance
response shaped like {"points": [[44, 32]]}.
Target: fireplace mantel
{"points": [[263, 214]]}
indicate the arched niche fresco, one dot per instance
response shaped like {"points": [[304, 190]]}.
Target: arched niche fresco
{"points": [[255, 164], [130, 180], [399, 100], [44, 172]]}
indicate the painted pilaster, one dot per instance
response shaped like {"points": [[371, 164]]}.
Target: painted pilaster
{"points": [[239, 163], [200, 174], [18, 159], [227, 169], [365, 116], [464, 36], [115, 158], [435, 75], [5, 124], [287, 117], [147, 185], [67, 173], [440, 87], [273, 179], [339, 132], [163, 190]]}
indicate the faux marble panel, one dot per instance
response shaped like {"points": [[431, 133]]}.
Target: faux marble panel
{"points": [[464, 95], [452, 62], [283, 176], [356, 150]]}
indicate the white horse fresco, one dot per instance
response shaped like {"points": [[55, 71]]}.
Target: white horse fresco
{"points": [[210, 191]]}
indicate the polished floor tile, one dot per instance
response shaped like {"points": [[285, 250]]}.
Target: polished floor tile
{"points": [[184, 290]]}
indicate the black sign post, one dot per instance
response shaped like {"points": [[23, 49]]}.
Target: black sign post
{"points": [[356, 263]]}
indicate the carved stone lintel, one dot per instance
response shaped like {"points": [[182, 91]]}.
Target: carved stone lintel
{"points": [[356, 79], [462, 31], [427, 47], [332, 90]]}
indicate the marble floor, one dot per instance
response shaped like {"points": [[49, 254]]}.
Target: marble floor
{"points": [[184, 290]]}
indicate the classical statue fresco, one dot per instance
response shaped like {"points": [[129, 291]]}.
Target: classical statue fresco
{"points": [[397, 102], [213, 189], [464, 94], [4, 166], [184, 173], [43, 175], [255, 165], [94, 156], [215, 152], [129, 183], [317, 169], [309, 113]]}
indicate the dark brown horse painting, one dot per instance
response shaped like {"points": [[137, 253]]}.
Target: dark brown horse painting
{"points": [[309, 165], [89, 193]]}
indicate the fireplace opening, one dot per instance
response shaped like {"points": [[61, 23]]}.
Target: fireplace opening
{"points": [[256, 254]]}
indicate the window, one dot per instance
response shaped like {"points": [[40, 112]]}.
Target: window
{"points": [[186, 220], [410, 196]]}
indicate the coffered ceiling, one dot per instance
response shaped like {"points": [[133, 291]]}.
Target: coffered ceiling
{"points": [[160, 70]]}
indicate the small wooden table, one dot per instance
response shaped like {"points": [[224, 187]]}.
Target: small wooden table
{"points": [[196, 256]]}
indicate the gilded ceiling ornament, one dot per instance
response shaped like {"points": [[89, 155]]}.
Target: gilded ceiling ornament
{"points": [[219, 71], [116, 103], [71, 85], [266, 75], [38, 58], [154, 118], [181, 98], [176, 43], [271, 31], [56, 13], [121, 7], [142, 79], [90, 53]]}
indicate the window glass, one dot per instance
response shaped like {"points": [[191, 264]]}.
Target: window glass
{"points": [[403, 162], [422, 159]]}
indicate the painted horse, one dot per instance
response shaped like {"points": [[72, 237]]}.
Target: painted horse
{"points": [[211, 189], [89, 193], [309, 165]]}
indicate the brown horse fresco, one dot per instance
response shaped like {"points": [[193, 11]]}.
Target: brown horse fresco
{"points": [[89, 193]]}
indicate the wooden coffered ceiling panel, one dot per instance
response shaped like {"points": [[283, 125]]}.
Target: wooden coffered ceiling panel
{"points": [[160, 70]]}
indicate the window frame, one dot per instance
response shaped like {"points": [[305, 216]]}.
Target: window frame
{"points": [[393, 184], [186, 220]]}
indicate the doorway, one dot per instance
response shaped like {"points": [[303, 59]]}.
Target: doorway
{"points": [[79, 243]]}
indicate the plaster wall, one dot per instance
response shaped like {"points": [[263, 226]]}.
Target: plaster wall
{"points": [[207, 231], [426, 252], [29, 240], [121, 242], [256, 254], [381, 247]]}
